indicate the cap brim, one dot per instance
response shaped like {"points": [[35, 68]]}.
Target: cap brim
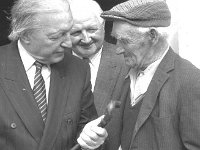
{"points": [[109, 17], [117, 18]]}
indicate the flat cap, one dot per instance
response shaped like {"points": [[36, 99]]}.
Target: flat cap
{"points": [[142, 13]]}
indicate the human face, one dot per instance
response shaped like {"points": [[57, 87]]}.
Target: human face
{"points": [[48, 43], [87, 35], [133, 44]]}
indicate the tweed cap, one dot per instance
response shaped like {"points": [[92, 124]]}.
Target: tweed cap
{"points": [[142, 13]]}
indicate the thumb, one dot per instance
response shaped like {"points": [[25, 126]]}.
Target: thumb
{"points": [[97, 121]]}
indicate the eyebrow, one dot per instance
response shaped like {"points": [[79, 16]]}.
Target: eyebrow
{"points": [[57, 32]]}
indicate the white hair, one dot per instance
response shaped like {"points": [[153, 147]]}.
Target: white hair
{"points": [[164, 32], [24, 14]]}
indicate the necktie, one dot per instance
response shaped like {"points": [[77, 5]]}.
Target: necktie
{"points": [[39, 91]]}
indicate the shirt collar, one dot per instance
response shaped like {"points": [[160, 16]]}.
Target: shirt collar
{"points": [[96, 57], [155, 63], [93, 58], [26, 58]]}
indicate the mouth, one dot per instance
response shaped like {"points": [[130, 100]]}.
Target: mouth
{"points": [[86, 45]]}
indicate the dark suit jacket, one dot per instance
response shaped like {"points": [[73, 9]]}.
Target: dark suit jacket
{"points": [[70, 104], [110, 77], [169, 117]]}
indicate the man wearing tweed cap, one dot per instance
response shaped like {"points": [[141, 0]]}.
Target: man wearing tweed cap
{"points": [[161, 94]]}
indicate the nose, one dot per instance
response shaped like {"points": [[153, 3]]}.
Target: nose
{"points": [[67, 41], [85, 37]]}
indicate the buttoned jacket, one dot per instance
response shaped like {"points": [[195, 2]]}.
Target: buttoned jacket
{"points": [[70, 104]]}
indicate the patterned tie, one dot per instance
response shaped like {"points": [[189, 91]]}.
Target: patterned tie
{"points": [[39, 90]]}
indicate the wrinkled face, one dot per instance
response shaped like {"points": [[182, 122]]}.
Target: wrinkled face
{"points": [[133, 44], [87, 35], [47, 44]]}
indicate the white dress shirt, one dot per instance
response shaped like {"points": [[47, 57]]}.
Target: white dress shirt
{"points": [[94, 66], [28, 62]]}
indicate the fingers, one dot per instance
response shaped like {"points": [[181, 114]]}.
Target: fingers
{"points": [[92, 136], [101, 132]]}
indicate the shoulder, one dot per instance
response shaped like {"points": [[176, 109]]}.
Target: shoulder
{"points": [[186, 68], [74, 63], [109, 47], [4, 48], [8, 49], [182, 73], [185, 73], [179, 66]]}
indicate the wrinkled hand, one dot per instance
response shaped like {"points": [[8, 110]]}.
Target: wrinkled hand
{"points": [[92, 136]]}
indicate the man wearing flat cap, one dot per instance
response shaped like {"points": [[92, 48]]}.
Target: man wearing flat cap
{"points": [[161, 94]]}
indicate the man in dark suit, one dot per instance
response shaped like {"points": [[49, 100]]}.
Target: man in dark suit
{"points": [[107, 68], [161, 94], [45, 92]]}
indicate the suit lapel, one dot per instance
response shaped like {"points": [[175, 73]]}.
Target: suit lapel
{"points": [[59, 88], [18, 90], [160, 77], [106, 78]]}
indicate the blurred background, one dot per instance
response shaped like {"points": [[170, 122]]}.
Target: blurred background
{"points": [[185, 26], [5, 6]]}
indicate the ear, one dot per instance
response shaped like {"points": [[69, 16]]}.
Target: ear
{"points": [[26, 37], [153, 35]]}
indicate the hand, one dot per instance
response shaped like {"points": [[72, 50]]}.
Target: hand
{"points": [[92, 136]]}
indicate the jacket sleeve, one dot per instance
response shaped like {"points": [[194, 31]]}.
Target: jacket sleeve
{"points": [[190, 114]]}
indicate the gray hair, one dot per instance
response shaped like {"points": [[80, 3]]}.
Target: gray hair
{"points": [[24, 14], [87, 5], [163, 31]]}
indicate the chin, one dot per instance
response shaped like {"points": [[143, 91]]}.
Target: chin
{"points": [[89, 49], [56, 60], [88, 53], [130, 63]]}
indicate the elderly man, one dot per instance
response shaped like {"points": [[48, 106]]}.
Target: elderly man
{"points": [[107, 68], [45, 93], [161, 95]]}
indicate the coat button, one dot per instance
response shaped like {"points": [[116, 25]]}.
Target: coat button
{"points": [[69, 121], [13, 125]]}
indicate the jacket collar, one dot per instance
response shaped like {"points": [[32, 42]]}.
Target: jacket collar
{"points": [[159, 78]]}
